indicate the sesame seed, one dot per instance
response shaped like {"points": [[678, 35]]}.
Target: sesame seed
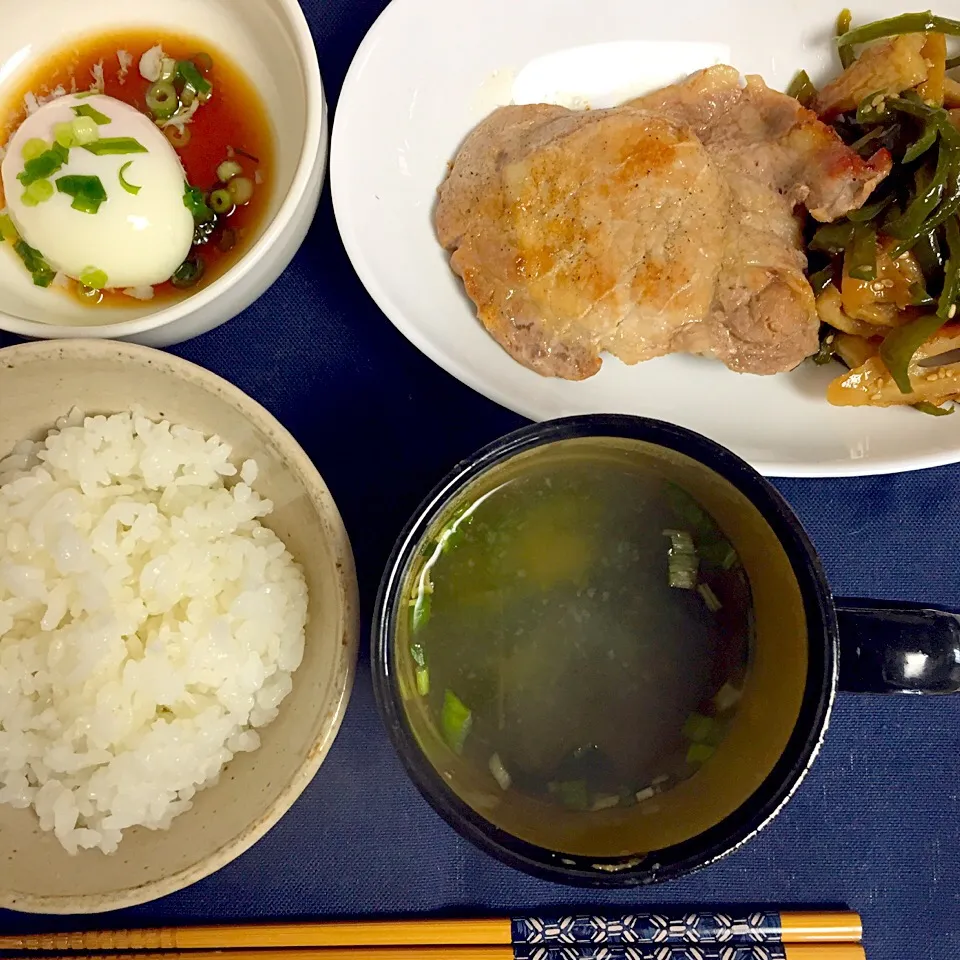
{"points": [[952, 312]]}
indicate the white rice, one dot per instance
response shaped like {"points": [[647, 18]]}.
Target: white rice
{"points": [[148, 623]]}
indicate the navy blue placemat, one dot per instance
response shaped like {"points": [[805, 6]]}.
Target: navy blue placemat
{"points": [[876, 826]]}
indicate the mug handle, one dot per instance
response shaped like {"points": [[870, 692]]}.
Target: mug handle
{"points": [[889, 646]]}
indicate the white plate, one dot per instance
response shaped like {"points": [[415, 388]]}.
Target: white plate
{"points": [[429, 70]]}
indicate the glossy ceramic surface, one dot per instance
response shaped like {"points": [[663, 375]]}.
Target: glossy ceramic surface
{"points": [[429, 71]]}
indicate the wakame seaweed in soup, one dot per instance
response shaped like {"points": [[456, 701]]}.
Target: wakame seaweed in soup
{"points": [[579, 631]]}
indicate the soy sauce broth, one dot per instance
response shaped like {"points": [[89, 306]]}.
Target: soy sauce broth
{"points": [[551, 653], [233, 123]]}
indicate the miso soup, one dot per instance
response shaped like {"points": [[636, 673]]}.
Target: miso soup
{"points": [[578, 631]]}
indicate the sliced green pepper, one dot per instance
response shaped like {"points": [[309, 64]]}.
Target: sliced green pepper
{"points": [[824, 354], [872, 108], [928, 253], [949, 205], [821, 279], [919, 296], [932, 409], [832, 237], [870, 211], [456, 719], [847, 56], [931, 130], [925, 22], [801, 88], [915, 107], [947, 304], [900, 345], [911, 222], [877, 133], [861, 258]]}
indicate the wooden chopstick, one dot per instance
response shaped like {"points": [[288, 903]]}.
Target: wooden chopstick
{"points": [[651, 951], [794, 927]]}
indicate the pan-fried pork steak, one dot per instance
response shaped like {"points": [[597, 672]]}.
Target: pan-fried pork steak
{"points": [[664, 225]]}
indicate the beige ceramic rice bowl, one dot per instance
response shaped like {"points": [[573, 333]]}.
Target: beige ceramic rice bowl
{"points": [[40, 383]]}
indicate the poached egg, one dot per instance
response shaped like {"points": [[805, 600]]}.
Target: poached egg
{"points": [[136, 239]]}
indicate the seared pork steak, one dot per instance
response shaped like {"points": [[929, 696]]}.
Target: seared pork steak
{"points": [[664, 225]]}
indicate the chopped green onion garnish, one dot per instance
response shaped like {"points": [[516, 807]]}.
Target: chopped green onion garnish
{"points": [[228, 170], [709, 597], [700, 752], [221, 202], [194, 201], [40, 191], [423, 681], [87, 192], [34, 148], [499, 772], [33, 260], [241, 190], [162, 100], [114, 146], [7, 230], [698, 727], [719, 554], [47, 164], [189, 273], [683, 562], [85, 110], [93, 278], [801, 88], [85, 131], [129, 187], [187, 71], [456, 719], [571, 793], [726, 697], [63, 134]]}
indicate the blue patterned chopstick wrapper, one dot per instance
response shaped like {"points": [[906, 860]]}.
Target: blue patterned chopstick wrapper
{"points": [[652, 929], [653, 951]]}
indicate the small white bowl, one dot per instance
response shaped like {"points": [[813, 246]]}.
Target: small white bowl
{"points": [[271, 40], [40, 382]]}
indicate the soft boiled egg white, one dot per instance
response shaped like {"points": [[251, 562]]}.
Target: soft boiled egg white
{"points": [[136, 240]]}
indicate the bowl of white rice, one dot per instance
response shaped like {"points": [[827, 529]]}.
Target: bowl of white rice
{"points": [[178, 624]]}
